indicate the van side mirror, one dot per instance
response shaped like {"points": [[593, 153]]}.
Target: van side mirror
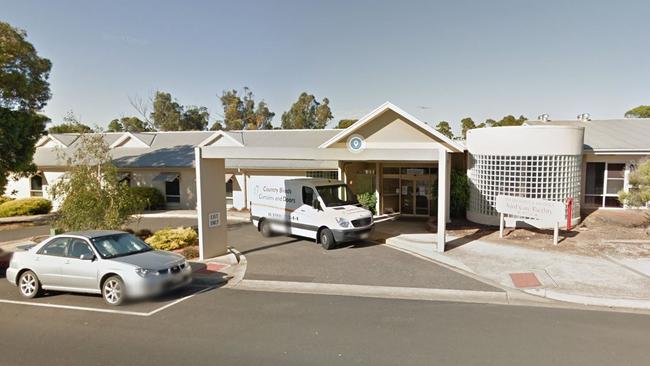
{"points": [[316, 204], [87, 257]]}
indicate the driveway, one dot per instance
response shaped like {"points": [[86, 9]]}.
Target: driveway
{"points": [[284, 258]]}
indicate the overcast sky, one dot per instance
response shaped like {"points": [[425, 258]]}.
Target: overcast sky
{"points": [[437, 60]]}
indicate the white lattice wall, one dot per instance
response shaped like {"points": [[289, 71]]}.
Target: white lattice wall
{"points": [[549, 177]]}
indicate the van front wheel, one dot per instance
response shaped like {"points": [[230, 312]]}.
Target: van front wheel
{"points": [[326, 239], [265, 229]]}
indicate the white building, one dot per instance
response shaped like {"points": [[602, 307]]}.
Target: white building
{"points": [[597, 169]]}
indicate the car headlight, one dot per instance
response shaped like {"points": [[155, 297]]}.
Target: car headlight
{"points": [[343, 222], [143, 272]]}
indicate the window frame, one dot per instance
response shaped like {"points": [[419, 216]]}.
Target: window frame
{"points": [[176, 197], [65, 250], [36, 192], [85, 241]]}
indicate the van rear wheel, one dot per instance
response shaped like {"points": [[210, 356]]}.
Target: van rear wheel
{"points": [[326, 239], [265, 229]]}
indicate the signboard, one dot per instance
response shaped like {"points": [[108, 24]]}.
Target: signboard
{"points": [[532, 211], [214, 219], [532, 208]]}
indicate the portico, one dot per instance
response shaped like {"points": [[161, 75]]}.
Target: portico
{"points": [[388, 151]]}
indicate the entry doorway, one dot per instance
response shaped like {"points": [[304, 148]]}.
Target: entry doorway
{"points": [[408, 191]]}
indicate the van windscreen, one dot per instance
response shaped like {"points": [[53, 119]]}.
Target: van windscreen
{"points": [[336, 195]]}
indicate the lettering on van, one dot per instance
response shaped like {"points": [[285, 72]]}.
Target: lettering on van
{"points": [[274, 194]]}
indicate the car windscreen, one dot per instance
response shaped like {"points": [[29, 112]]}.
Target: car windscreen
{"points": [[336, 195], [119, 245]]}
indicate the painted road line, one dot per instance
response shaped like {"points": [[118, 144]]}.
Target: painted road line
{"points": [[385, 292], [110, 311], [70, 307]]}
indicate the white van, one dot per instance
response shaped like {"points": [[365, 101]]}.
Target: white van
{"points": [[321, 209]]}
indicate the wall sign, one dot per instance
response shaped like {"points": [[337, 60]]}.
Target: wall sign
{"points": [[356, 143], [534, 211], [214, 219]]}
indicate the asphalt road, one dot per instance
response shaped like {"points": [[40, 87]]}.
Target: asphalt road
{"points": [[235, 327]]}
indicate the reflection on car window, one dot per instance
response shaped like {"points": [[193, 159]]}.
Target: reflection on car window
{"points": [[336, 195], [77, 248], [119, 245], [55, 248]]}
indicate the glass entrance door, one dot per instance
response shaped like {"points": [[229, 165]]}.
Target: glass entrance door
{"points": [[407, 190]]}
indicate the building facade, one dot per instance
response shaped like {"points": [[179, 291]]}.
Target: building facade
{"points": [[589, 161]]}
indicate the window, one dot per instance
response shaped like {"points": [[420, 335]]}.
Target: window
{"points": [[119, 245], [603, 182], [325, 174], [307, 196], [55, 248], [173, 191], [77, 248], [36, 186], [229, 192], [338, 195]]}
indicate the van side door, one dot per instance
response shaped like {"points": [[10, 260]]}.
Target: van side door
{"points": [[306, 219]]}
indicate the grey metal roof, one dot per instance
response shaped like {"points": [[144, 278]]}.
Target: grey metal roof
{"points": [[626, 134], [176, 149]]}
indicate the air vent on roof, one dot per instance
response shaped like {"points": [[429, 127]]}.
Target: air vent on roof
{"points": [[584, 117], [543, 117]]}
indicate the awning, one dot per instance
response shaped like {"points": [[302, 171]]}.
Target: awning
{"points": [[166, 177], [228, 176]]}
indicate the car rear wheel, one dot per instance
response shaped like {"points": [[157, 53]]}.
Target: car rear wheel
{"points": [[113, 291], [265, 229], [29, 285], [326, 239]]}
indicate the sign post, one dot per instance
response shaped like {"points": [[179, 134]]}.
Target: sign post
{"points": [[535, 211]]}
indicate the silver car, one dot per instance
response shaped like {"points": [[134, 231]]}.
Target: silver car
{"points": [[114, 264]]}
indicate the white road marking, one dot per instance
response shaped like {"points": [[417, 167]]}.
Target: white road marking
{"points": [[110, 311], [70, 307]]}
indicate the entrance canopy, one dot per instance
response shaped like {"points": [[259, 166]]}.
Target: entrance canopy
{"points": [[387, 134]]}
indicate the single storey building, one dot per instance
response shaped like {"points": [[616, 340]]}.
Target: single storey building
{"points": [[404, 162]]}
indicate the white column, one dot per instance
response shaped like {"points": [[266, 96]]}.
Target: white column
{"points": [[211, 199], [443, 178], [448, 216], [377, 182]]}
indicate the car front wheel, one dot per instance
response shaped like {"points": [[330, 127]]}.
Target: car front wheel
{"points": [[113, 291], [29, 285]]}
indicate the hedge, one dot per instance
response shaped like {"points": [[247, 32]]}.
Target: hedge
{"points": [[25, 207], [172, 239], [4, 199], [152, 196]]}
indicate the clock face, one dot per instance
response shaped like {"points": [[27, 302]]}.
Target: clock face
{"points": [[356, 143]]}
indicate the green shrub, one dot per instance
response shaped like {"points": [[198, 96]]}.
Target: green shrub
{"points": [[368, 200], [25, 207], [4, 199], [172, 239], [152, 196], [459, 194]]}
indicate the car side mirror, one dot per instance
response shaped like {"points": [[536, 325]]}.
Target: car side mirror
{"points": [[87, 257]]}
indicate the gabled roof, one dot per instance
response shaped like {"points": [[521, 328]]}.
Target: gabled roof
{"points": [[625, 135], [454, 146], [63, 139], [128, 136], [219, 135]]}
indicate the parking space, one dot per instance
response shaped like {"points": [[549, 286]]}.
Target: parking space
{"points": [[204, 281], [283, 258]]}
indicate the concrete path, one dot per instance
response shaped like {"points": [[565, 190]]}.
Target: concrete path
{"points": [[601, 281]]}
